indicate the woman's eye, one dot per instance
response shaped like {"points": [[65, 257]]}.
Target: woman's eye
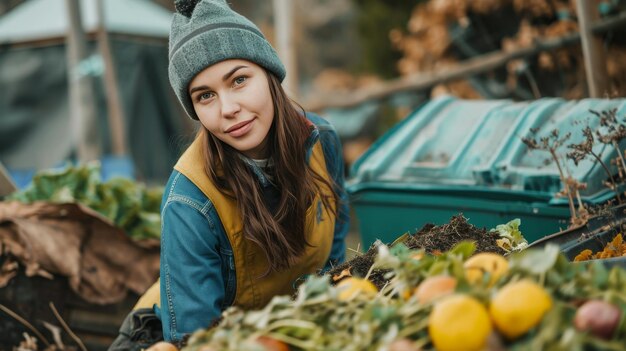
{"points": [[240, 80], [204, 96]]}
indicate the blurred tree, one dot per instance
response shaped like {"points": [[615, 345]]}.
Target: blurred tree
{"points": [[374, 21]]}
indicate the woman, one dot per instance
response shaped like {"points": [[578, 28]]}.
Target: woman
{"points": [[257, 201]]}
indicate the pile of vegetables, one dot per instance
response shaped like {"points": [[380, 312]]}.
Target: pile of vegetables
{"points": [[458, 300], [127, 204]]}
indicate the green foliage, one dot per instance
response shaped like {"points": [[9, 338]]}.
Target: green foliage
{"points": [[129, 205], [374, 21]]}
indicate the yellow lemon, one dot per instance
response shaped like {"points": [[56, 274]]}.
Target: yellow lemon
{"points": [[351, 287], [459, 322], [518, 307], [485, 262], [435, 287]]}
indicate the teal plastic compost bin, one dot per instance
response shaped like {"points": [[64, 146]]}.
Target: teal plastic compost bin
{"points": [[451, 156]]}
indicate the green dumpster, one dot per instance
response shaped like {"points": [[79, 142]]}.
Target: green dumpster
{"points": [[451, 156]]}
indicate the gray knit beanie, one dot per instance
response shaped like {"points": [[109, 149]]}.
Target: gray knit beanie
{"points": [[205, 32]]}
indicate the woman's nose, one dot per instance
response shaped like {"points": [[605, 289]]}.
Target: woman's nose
{"points": [[230, 106]]}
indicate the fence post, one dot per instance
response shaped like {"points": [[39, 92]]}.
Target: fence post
{"points": [[593, 50], [83, 116]]}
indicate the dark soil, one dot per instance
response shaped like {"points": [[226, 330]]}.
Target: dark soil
{"points": [[434, 239], [359, 266], [438, 239]]}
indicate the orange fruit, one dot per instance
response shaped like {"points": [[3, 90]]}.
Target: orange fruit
{"points": [[206, 348], [271, 344], [435, 287], [162, 346]]}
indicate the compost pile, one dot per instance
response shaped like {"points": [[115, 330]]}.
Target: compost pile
{"points": [[433, 239], [436, 239], [457, 300]]}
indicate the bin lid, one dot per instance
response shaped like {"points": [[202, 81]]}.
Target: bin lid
{"points": [[476, 146]]}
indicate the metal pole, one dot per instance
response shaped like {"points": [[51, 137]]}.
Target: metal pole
{"points": [[283, 16], [115, 111], [593, 50], [81, 101]]}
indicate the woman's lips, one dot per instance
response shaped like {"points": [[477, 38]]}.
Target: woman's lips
{"points": [[240, 129]]}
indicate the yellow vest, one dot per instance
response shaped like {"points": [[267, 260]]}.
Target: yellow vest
{"points": [[254, 290]]}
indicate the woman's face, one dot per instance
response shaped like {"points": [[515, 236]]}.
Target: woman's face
{"points": [[233, 102]]}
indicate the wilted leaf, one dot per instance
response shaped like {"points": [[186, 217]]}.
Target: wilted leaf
{"points": [[99, 260], [345, 273], [512, 238], [8, 271]]}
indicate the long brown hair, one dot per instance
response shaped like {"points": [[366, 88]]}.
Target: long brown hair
{"points": [[281, 235]]}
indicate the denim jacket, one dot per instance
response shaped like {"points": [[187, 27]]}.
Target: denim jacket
{"points": [[197, 267]]}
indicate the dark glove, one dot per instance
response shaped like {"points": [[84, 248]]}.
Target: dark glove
{"points": [[140, 329]]}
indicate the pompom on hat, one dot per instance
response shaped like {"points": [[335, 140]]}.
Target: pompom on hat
{"points": [[205, 32]]}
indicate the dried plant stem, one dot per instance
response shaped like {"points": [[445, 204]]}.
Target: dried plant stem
{"points": [[608, 172], [370, 271], [619, 154], [25, 323], [620, 171], [357, 250], [580, 201], [570, 200], [67, 328]]}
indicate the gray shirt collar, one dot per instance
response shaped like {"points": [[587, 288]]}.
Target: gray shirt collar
{"points": [[258, 171]]}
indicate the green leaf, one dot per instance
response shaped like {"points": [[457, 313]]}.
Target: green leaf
{"points": [[464, 248], [617, 278], [457, 269], [399, 249], [536, 261], [553, 278], [401, 239], [438, 267], [600, 274]]}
